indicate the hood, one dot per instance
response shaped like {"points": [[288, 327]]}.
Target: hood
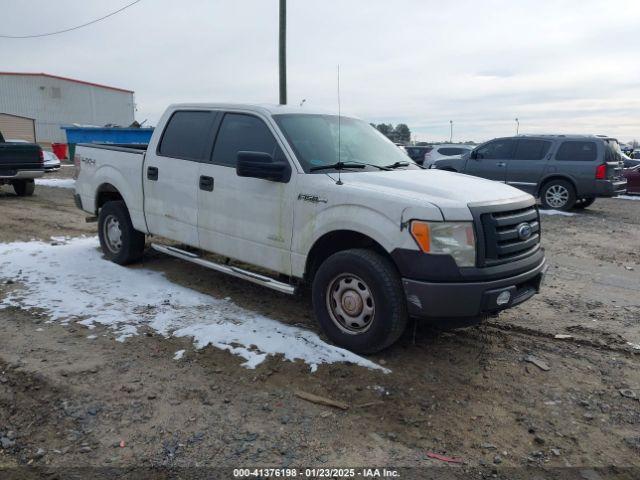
{"points": [[451, 192]]}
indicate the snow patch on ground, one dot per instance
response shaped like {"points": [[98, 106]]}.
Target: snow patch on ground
{"points": [[556, 212], [73, 283], [628, 197], [179, 354], [56, 182]]}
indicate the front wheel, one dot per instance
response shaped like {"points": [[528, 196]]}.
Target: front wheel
{"points": [[558, 195], [120, 242], [359, 300], [24, 188]]}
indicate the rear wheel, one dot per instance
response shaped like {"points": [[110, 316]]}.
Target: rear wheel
{"points": [[120, 242], [359, 301], [24, 188], [584, 202], [558, 195]]}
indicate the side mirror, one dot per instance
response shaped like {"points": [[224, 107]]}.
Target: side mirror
{"points": [[473, 155], [262, 165]]}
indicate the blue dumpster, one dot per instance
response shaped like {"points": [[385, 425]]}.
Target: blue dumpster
{"points": [[121, 136]]}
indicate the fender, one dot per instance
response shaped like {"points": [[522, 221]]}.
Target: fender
{"points": [[357, 218]]}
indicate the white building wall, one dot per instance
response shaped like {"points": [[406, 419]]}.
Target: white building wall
{"points": [[54, 102]]}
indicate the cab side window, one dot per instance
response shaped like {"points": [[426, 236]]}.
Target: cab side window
{"points": [[497, 150], [188, 135], [239, 132]]}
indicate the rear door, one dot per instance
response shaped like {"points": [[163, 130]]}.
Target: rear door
{"points": [[249, 219], [527, 166], [171, 175], [490, 160]]}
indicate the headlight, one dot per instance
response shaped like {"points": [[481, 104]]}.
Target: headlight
{"points": [[447, 238]]}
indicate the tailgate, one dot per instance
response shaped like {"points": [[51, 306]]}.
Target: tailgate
{"points": [[20, 156], [613, 160]]}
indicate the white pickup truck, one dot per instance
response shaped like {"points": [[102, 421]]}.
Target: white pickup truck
{"points": [[306, 198]]}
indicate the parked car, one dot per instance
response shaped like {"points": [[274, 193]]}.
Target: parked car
{"points": [[628, 161], [633, 179], [280, 190], [20, 163], [564, 171], [444, 151], [417, 152], [51, 161]]}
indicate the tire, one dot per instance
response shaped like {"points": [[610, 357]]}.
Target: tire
{"points": [[379, 316], [584, 203], [558, 195], [24, 188], [120, 242]]}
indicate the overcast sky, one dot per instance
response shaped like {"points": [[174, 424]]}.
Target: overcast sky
{"points": [[559, 66]]}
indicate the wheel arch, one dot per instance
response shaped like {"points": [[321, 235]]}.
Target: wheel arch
{"points": [[555, 176], [107, 192], [337, 241]]}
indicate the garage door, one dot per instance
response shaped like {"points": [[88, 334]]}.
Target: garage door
{"points": [[17, 128]]}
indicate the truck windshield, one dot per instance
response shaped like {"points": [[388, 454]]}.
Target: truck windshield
{"points": [[315, 139]]}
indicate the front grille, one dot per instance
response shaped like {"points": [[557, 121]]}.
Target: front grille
{"points": [[502, 242]]}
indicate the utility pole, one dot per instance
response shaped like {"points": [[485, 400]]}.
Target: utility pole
{"points": [[451, 131], [517, 126], [282, 53]]}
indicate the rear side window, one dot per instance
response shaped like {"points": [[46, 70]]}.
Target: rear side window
{"points": [[577, 151], [612, 151], [497, 150], [240, 132], [531, 149], [449, 151], [187, 135]]}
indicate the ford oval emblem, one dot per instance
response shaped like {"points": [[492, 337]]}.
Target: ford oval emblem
{"points": [[524, 231]]}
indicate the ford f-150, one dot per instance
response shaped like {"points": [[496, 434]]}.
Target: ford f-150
{"points": [[287, 197]]}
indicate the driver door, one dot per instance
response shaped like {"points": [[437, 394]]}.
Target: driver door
{"points": [[490, 160]]}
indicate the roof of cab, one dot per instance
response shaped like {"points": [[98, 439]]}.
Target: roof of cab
{"points": [[265, 109]]}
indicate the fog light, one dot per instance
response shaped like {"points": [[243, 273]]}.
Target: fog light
{"points": [[503, 298]]}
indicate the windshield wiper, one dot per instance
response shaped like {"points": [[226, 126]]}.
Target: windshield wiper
{"points": [[398, 165], [337, 166]]}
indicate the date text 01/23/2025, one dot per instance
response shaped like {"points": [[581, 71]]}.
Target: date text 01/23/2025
{"points": [[315, 473]]}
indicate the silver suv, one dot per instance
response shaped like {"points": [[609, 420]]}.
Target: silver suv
{"points": [[564, 171], [446, 150]]}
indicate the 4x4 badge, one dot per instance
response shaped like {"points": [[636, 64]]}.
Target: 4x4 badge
{"points": [[311, 198]]}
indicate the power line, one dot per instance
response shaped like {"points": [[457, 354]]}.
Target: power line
{"points": [[72, 28]]}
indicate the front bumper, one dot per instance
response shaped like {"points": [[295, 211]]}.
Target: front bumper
{"points": [[470, 299], [610, 188]]}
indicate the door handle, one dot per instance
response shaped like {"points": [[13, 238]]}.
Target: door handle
{"points": [[152, 173], [206, 183], [501, 164]]}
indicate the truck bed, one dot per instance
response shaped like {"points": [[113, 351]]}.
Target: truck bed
{"points": [[99, 165]]}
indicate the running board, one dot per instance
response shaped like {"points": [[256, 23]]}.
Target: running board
{"points": [[228, 269]]}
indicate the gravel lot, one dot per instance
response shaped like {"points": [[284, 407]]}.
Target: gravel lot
{"points": [[554, 382]]}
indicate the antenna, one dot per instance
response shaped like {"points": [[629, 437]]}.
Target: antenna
{"points": [[339, 182]]}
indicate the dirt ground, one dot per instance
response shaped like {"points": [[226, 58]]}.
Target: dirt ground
{"points": [[470, 394]]}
